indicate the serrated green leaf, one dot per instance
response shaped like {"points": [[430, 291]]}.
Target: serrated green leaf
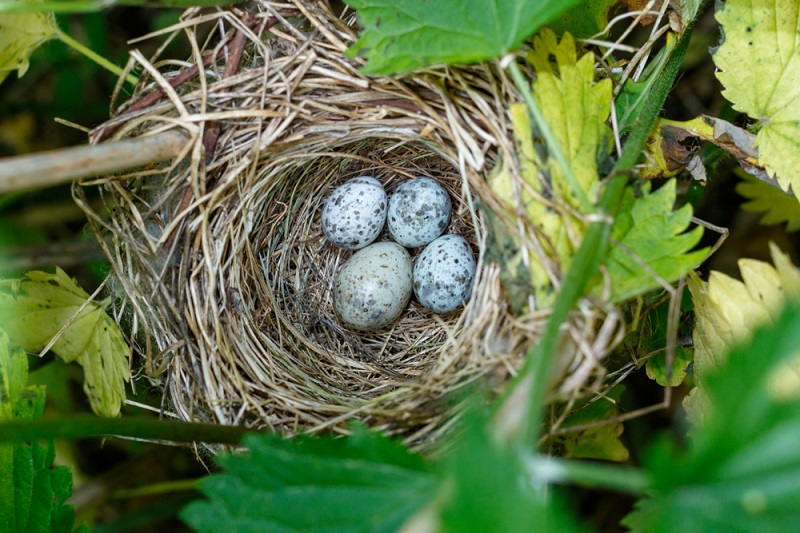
{"points": [[656, 367], [777, 206], [34, 309], [20, 36], [32, 494], [365, 483], [600, 442], [649, 228], [741, 471], [759, 65], [402, 36]]}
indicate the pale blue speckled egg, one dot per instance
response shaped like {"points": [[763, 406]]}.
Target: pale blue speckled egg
{"points": [[419, 210], [443, 274], [373, 287], [354, 214]]}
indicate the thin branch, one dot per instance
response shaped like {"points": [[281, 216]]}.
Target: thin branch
{"points": [[57, 167]]}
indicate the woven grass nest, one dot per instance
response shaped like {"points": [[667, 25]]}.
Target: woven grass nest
{"points": [[221, 267]]}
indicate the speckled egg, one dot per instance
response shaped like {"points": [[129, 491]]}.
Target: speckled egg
{"points": [[373, 287], [443, 274], [418, 212], [355, 212]]}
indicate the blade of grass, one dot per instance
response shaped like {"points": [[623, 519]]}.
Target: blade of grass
{"points": [[94, 56], [540, 357]]}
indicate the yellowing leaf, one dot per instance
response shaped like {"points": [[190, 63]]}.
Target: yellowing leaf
{"points": [[759, 61], [576, 109], [34, 309], [778, 206], [728, 310], [20, 35]]}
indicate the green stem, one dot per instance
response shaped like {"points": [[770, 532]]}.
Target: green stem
{"points": [[94, 56], [168, 487], [81, 427], [588, 474], [553, 148], [85, 6], [540, 358]]}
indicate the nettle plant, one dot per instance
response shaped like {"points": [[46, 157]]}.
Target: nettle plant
{"points": [[588, 130]]}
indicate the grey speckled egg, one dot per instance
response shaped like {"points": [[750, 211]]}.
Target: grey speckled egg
{"points": [[354, 213], [443, 274], [418, 212], [374, 286]]}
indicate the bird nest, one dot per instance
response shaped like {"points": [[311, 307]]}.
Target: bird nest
{"points": [[224, 275]]}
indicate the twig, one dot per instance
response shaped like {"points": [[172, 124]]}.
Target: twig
{"points": [[64, 254], [62, 166]]}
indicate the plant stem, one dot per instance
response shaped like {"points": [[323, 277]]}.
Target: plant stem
{"points": [[544, 128], [85, 6], [167, 487], [588, 474], [81, 427], [94, 56], [541, 357]]}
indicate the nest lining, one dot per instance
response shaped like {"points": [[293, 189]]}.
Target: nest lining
{"points": [[222, 265]]}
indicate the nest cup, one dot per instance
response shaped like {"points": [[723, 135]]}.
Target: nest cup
{"points": [[223, 273]]}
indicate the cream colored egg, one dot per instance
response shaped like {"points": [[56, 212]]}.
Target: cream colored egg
{"points": [[373, 287]]}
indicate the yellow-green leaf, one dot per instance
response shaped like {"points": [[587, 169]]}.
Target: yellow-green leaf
{"points": [[576, 109], [759, 60], [777, 206], [728, 310], [20, 35], [35, 308]]}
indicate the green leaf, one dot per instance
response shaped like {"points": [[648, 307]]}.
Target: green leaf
{"points": [[656, 367], [598, 442], [402, 36], [20, 36], [741, 471], [365, 483], [584, 20], [759, 63], [777, 206], [34, 309], [653, 234], [32, 494]]}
